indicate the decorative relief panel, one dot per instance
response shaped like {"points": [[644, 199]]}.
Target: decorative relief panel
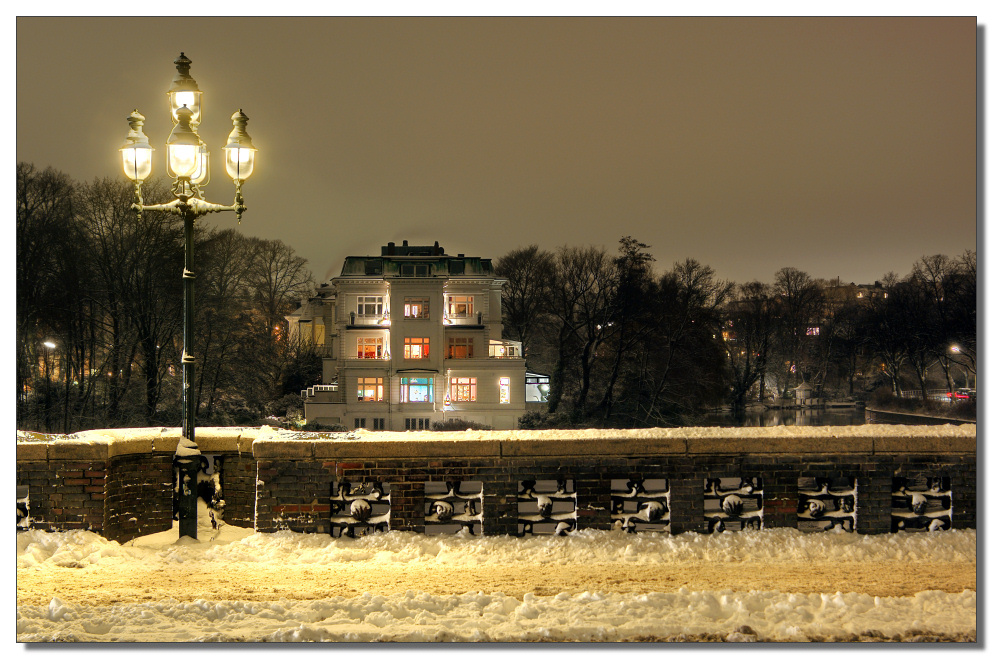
{"points": [[546, 507], [732, 504], [824, 504], [453, 506], [640, 504], [23, 519], [921, 504], [357, 509]]}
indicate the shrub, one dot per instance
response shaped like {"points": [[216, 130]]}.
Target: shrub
{"points": [[320, 427], [459, 424], [535, 420]]}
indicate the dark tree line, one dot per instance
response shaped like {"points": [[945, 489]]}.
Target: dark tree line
{"points": [[625, 346], [99, 300]]}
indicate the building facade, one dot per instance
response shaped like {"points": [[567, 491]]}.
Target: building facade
{"points": [[410, 338]]}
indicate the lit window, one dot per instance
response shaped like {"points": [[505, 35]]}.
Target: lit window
{"points": [[370, 389], [460, 306], [417, 308], [370, 348], [370, 306], [504, 390], [460, 348], [463, 389], [319, 334], [417, 389], [416, 348]]}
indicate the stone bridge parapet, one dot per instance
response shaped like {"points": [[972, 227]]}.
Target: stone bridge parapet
{"points": [[868, 479]]}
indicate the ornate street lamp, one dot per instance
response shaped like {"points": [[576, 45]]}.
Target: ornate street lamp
{"points": [[187, 164]]}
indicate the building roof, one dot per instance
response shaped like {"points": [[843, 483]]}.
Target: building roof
{"points": [[405, 261]]}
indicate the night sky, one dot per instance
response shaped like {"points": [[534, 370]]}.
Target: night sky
{"points": [[845, 147]]}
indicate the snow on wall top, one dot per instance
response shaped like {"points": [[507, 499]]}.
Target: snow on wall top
{"points": [[270, 442]]}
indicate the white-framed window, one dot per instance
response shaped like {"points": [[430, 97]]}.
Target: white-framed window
{"points": [[460, 348], [416, 389], [504, 390], [417, 308], [370, 389], [370, 306], [370, 348], [416, 348], [460, 306], [463, 389]]}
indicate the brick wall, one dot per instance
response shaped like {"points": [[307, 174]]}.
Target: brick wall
{"points": [[294, 493], [139, 497], [65, 494], [239, 488], [277, 480]]}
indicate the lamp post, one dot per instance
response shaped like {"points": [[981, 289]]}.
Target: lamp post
{"points": [[187, 164], [966, 376]]}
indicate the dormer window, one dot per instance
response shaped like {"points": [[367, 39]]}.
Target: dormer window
{"points": [[414, 270]]}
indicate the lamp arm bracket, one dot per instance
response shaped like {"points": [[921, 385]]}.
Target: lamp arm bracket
{"points": [[196, 205], [172, 207]]}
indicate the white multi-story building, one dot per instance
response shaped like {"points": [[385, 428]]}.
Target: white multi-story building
{"points": [[411, 337]]}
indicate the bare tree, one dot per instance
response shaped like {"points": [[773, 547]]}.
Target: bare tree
{"points": [[752, 326], [44, 213], [630, 319], [885, 332], [529, 273], [277, 280], [801, 302], [684, 358], [138, 259], [223, 310]]}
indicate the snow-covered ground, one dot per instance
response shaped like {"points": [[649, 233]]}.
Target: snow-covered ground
{"points": [[475, 616]]}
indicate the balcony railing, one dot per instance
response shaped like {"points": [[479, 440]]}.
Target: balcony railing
{"points": [[505, 349], [318, 388]]}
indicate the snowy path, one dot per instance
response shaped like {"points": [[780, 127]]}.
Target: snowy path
{"points": [[776, 585]]}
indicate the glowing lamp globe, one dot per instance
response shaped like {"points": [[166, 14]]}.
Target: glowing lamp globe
{"points": [[239, 151], [136, 153], [185, 92], [202, 173], [183, 147]]}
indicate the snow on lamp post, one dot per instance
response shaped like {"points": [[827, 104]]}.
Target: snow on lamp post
{"points": [[187, 165]]}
